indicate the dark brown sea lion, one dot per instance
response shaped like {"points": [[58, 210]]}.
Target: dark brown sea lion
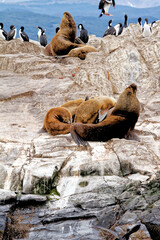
{"points": [[57, 121], [122, 119], [63, 43], [88, 111]]}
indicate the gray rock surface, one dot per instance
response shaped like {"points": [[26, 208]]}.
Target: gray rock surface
{"points": [[89, 191]]}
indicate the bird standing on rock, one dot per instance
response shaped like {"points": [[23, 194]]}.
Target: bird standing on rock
{"points": [[140, 22], [12, 33], [105, 5], [113, 30], [125, 25], [83, 33], [42, 38], [109, 24], [146, 30], [57, 29], [23, 36], [3, 33]]}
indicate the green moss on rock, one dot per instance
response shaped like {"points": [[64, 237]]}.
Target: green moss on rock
{"points": [[45, 186]]}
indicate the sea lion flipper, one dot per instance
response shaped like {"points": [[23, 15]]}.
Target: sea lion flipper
{"points": [[61, 56], [102, 116], [133, 230], [77, 138], [42, 130], [82, 141], [131, 135]]}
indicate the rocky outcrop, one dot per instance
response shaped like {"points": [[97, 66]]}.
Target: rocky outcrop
{"points": [[90, 193]]}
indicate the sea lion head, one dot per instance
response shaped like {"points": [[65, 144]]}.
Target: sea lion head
{"points": [[128, 101], [63, 115], [68, 26], [132, 88]]}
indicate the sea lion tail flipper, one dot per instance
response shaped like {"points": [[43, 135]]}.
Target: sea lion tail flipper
{"points": [[77, 138], [131, 135], [82, 141]]}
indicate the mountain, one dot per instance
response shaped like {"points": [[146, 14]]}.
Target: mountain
{"points": [[138, 3], [31, 14], [79, 9]]}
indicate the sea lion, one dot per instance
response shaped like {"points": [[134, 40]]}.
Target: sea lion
{"points": [[81, 51], [121, 120], [64, 40], [57, 121], [72, 106], [94, 108]]}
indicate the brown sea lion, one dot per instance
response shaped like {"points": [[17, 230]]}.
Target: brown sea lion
{"points": [[64, 41], [89, 110], [72, 106], [81, 52], [122, 119], [57, 121]]}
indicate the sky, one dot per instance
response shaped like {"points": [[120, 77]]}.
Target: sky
{"points": [[132, 3]]}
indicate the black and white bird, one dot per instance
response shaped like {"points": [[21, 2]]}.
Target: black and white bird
{"points": [[113, 30], [104, 5], [12, 33], [39, 32], [153, 23], [140, 23], [109, 24], [42, 38], [57, 29], [23, 36], [3, 33], [146, 30], [125, 25], [83, 33]]}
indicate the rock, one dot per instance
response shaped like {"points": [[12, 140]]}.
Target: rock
{"points": [[99, 191], [139, 233], [7, 196], [32, 198], [138, 177], [128, 218], [85, 187], [4, 210]]}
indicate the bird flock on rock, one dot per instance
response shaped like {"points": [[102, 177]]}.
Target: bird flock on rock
{"points": [[42, 38], [104, 6]]}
